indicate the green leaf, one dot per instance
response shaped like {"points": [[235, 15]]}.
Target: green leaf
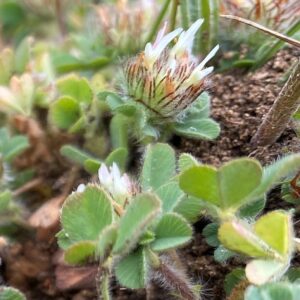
{"points": [[293, 274], [186, 161], [65, 62], [114, 101], [238, 178], [147, 238], [74, 154], [170, 195], [252, 209], [119, 156], [226, 187], [273, 291], [271, 50], [206, 129], [140, 213], [9, 293], [5, 199], [243, 63], [64, 112], [107, 239], [232, 279], [159, 166], [63, 240], [6, 65], [22, 54], [221, 254], [270, 237], [119, 131], [210, 232], [202, 182], [131, 271], [128, 110], [92, 165], [172, 231], [11, 146], [238, 236], [262, 271], [75, 87], [190, 208], [273, 174], [275, 228], [200, 109], [80, 252], [84, 215]]}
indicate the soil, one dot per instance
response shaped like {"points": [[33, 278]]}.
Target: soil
{"points": [[239, 102]]}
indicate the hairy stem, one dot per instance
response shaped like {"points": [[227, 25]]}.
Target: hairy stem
{"points": [[167, 275], [281, 112], [176, 281], [103, 280], [158, 21]]}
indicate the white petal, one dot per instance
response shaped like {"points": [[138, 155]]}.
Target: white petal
{"points": [[127, 182], [152, 53], [104, 175], [209, 56], [186, 39], [80, 188], [148, 50], [161, 34], [200, 74], [120, 187], [116, 174], [165, 41]]}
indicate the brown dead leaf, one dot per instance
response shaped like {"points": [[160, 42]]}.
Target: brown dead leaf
{"points": [[48, 214], [71, 278]]}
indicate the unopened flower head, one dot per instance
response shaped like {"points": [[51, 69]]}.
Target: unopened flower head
{"points": [[119, 186], [121, 22], [167, 80]]}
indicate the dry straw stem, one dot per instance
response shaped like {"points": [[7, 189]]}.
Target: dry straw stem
{"points": [[281, 112], [276, 34]]}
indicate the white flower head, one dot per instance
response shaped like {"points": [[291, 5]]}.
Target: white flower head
{"points": [[119, 186], [168, 81]]}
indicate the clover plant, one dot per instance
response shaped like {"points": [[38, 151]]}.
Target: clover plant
{"points": [[27, 82], [131, 229], [233, 195], [76, 111], [69, 111], [161, 91]]}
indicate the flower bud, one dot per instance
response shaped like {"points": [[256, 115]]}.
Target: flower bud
{"points": [[119, 186]]}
